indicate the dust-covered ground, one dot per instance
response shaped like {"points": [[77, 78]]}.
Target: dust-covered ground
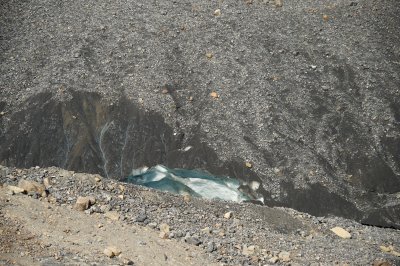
{"points": [[154, 228]]}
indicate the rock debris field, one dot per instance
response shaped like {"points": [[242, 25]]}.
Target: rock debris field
{"points": [[296, 101], [51, 216]]}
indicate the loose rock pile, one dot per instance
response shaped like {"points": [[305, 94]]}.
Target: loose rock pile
{"points": [[229, 233]]}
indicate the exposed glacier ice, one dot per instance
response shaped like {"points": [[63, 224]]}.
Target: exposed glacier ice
{"points": [[193, 182]]}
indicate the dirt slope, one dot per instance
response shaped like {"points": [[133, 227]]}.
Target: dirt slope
{"points": [[47, 229]]}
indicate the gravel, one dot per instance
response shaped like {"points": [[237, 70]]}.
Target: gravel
{"points": [[261, 232]]}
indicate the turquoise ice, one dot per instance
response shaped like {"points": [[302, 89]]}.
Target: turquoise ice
{"points": [[190, 182]]}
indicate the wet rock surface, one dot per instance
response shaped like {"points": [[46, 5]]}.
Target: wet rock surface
{"points": [[198, 230], [307, 93]]}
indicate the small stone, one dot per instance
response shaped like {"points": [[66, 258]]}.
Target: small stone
{"points": [[126, 261], [209, 55], [111, 251], [250, 250], [214, 95], [121, 197], [228, 215], [163, 235], [206, 230], [273, 260], [217, 12], [114, 250], [141, 218], [164, 228], [191, 98], [83, 203], [386, 249], [164, 91], [339, 231], [179, 234], [31, 186], [187, 198], [152, 225], [112, 215], [313, 67], [108, 253], [193, 240], [381, 263], [15, 190], [46, 182], [211, 247], [325, 18], [278, 3], [284, 256], [248, 165]]}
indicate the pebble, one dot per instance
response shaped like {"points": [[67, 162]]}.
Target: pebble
{"points": [[381, 263], [141, 218], [112, 215], [228, 215], [250, 250], [83, 203], [214, 95], [339, 231], [15, 190], [163, 235], [284, 256], [112, 251], [206, 230], [278, 3], [217, 12], [46, 182], [126, 261], [211, 247], [273, 260], [164, 228], [152, 225], [187, 198], [32, 186], [193, 240]]}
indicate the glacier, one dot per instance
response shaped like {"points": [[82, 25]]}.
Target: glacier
{"points": [[190, 182]]}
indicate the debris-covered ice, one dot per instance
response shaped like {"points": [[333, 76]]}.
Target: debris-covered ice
{"points": [[192, 182]]}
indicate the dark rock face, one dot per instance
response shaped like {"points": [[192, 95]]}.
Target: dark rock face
{"points": [[86, 133], [313, 103]]}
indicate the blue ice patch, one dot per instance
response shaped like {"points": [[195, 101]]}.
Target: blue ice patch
{"points": [[189, 182]]}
